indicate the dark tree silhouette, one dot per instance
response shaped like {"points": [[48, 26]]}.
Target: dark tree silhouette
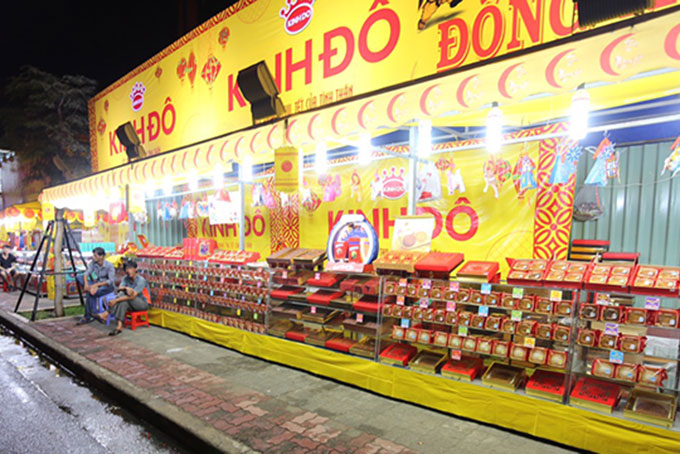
{"points": [[44, 118]]}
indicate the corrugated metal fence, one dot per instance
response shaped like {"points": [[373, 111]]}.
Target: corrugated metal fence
{"points": [[642, 210], [159, 232]]}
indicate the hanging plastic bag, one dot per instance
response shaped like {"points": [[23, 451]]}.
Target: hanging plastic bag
{"points": [[429, 184], [587, 204]]}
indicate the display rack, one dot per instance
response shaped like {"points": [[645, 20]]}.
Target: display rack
{"points": [[327, 309], [494, 334], [228, 294]]}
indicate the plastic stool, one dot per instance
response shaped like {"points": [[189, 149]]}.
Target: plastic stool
{"points": [[135, 319]]}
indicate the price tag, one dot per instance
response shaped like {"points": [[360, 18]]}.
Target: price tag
{"points": [[360, 318], [174, 300], [530, 342], [238, 311], [611, 328], [454, 286], [259, 301], [312, 310], [652, 303], [190, 276], [205, 277], [456, 354], [427, 284], [212, 293], [285, 274], [486, 289], [238, 267], [451, 306], [516, 316], [259, 284], [400, 300], [403, 282], [616, 357], [483, 311], [555, 295], [518, 293], [462, 330], [317, 276], [243, 297], [255, 316], [240, 282], [405, 323], [424, 302]]}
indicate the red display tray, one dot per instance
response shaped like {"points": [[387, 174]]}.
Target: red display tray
{"points": [[590, 243], [324, 280], [605, 286], [441, 263], [367, 304], [638, 275], [323, 297], [299, 336], [487, 271], [526, 270], [596, 392], [399, 354], [621, 256], [467, 367], [543, 381], [284, 293], [341, 344]]}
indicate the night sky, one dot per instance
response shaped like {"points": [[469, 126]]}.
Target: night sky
{"points": [[77, 37]]}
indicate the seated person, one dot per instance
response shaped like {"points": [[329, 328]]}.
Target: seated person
{"points": [[8, 264], [98, 280], [132, 296]]}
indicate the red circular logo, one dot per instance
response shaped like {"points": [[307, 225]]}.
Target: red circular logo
{"points": [[287, 166]]}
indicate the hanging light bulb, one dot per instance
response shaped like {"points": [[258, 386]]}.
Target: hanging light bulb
{"points": [[167, 186], [193, 180], [247, 169], [364, 149], [494, 129], [424, 138], [321, 158], [150, 190], [218, 177], [580, 108]]}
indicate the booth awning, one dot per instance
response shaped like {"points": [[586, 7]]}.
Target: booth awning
{"points": [[620, 66]]}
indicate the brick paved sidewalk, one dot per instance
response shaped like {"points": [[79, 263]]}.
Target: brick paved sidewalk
{"points": [[264, 423], [272, 408]]}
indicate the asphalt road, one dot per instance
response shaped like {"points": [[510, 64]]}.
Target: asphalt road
{"points": [[42, 411]]}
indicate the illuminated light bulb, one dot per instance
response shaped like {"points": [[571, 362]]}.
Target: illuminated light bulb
{"points": [[424, 138], [321, 158], [167, 186], [364, 149], [494, 129], [218, 178], [247, 169], [150, 190], [193, 181], [580, 109]]}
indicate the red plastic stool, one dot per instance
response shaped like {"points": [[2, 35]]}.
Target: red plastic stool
{"points": [[135, 319]]}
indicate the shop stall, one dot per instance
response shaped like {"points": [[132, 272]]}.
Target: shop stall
{"points": [[417, 241]]}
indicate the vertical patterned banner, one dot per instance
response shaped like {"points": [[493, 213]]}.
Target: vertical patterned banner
{"points": [[554, 203]]}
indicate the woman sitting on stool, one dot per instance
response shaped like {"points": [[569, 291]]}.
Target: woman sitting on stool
{"points": [[130, 297]]}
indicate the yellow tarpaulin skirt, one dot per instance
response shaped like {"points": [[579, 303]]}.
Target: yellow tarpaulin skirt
{"points": [[571, 426]]}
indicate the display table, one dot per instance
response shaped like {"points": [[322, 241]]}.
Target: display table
{"points": [[565, 424]]}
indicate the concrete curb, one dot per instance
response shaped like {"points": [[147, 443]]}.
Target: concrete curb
{"points": [[187, 429]]}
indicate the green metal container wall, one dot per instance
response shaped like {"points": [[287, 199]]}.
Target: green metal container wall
{"points": [[642, 210], [159, 232]]}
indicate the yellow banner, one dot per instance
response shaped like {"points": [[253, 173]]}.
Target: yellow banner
{"points": [[318, 52], [483, 208]]}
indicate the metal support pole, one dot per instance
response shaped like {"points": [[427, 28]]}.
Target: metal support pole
{"points": [[242, 215], [412, 169]]}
